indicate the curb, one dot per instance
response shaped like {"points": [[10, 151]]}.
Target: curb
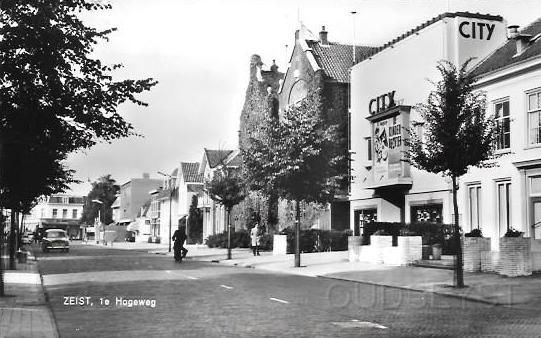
{"points": [[450, 295], [47, 300]]}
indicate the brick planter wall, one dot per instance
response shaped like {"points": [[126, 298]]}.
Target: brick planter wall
{"points": [[489, 261], [515, 257], [473, 247], [379, 243], [354, 243], [410, 248], [279, 246]]}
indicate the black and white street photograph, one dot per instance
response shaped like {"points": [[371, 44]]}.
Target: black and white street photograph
{"points": [[278, 168]]}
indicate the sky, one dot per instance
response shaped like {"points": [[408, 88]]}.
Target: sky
{"points": [[199, 51]]}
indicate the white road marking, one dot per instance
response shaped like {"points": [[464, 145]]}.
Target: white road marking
{"points": [[226, 287], [190, 277], [279, 300], [358, 324]]}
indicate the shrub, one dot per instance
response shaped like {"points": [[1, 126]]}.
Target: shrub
{"points": [[474, 233], [266, 242], [239, 239], [513, 233], [314, 240]]}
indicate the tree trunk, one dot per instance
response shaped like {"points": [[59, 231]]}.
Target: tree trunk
{"points": [[12, 240], [228, 210], [272, 213], [297, 234], [459, 268]]}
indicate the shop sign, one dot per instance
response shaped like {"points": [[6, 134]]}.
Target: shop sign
{"points": [[388, 148], [476, 30], [381, 103]]}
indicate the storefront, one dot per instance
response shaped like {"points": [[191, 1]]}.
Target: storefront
{"points": [[386, 87]]}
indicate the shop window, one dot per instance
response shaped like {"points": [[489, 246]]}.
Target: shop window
{"points": [[363, 217], [503, 128], [474, 204], [55, 213], [534, 117], [504, 205], [430, 213]]}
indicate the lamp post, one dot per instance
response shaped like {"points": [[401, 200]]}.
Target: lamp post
{"points": [[170, 202], [99, 218]]}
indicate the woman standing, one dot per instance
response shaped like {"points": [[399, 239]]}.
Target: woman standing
{"points": [[254, 234]]}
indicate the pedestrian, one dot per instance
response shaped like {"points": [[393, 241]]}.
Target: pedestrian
{"points": [[254, 234], [179, 237]]}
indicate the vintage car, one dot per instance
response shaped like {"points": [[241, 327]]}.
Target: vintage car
{"points": [[54, 239]]}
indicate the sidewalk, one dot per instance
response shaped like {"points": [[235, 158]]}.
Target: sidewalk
{"points": [[24, 311], [482, 287]]}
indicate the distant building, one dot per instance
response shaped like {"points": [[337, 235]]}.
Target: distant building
{"points": [[133, 195], [60, 211]]}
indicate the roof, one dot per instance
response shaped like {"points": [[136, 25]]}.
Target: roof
{"points": [[336, 59], [216, 157], [190, 172], [430, 22], [234, 159], [504, 56], [174, 173]]}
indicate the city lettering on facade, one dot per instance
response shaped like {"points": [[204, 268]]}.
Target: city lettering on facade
{"points": [[381, 102], [476, 30]]}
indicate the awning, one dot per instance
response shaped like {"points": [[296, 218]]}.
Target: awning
{"points": [[133, 226]]}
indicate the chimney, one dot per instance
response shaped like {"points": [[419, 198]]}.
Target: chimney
{"points": [[323, 36], [522, 40], [146, 176]]}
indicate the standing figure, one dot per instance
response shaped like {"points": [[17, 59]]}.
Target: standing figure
{"points": [[254, 234], [179, 237]]}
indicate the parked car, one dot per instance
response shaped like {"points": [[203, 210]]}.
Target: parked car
{"points": [[54, 239], [27, 238], [130, 236]]}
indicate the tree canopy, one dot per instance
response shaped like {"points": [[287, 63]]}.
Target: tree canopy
{"points": [[104, 190], [55, 97], [227, 187], [295, 157], [457, 133]]}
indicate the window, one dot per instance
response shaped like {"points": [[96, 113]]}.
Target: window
{"points": [[534, 117], [430, 213], [74, 214], [503, 130], [504, 206], [64, 213], [369, 149], [55, 213], [474, 203], [362, 217]]}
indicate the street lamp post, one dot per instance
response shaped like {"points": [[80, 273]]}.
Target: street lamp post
{"points": [[99, 218]]}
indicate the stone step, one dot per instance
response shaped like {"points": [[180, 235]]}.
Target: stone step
{"points": [[435, 264]]}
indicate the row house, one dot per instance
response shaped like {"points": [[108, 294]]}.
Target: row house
{"points": [[214, 215], [59, 211]]}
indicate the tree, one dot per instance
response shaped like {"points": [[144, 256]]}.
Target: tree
{"points": [[104, 190], [227, 187], [55, 98], [296, 158], [457, 135], [195, 222]]}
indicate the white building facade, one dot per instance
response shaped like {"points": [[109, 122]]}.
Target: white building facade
{"points": [[385, 87]]}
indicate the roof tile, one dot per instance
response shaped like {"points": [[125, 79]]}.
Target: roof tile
{"points": [[504, 56], [190, 172]]}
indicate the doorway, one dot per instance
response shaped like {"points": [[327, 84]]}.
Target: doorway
{"points": [[536, 217]]}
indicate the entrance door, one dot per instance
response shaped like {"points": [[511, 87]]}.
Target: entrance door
{"points": [[536, 217]]}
